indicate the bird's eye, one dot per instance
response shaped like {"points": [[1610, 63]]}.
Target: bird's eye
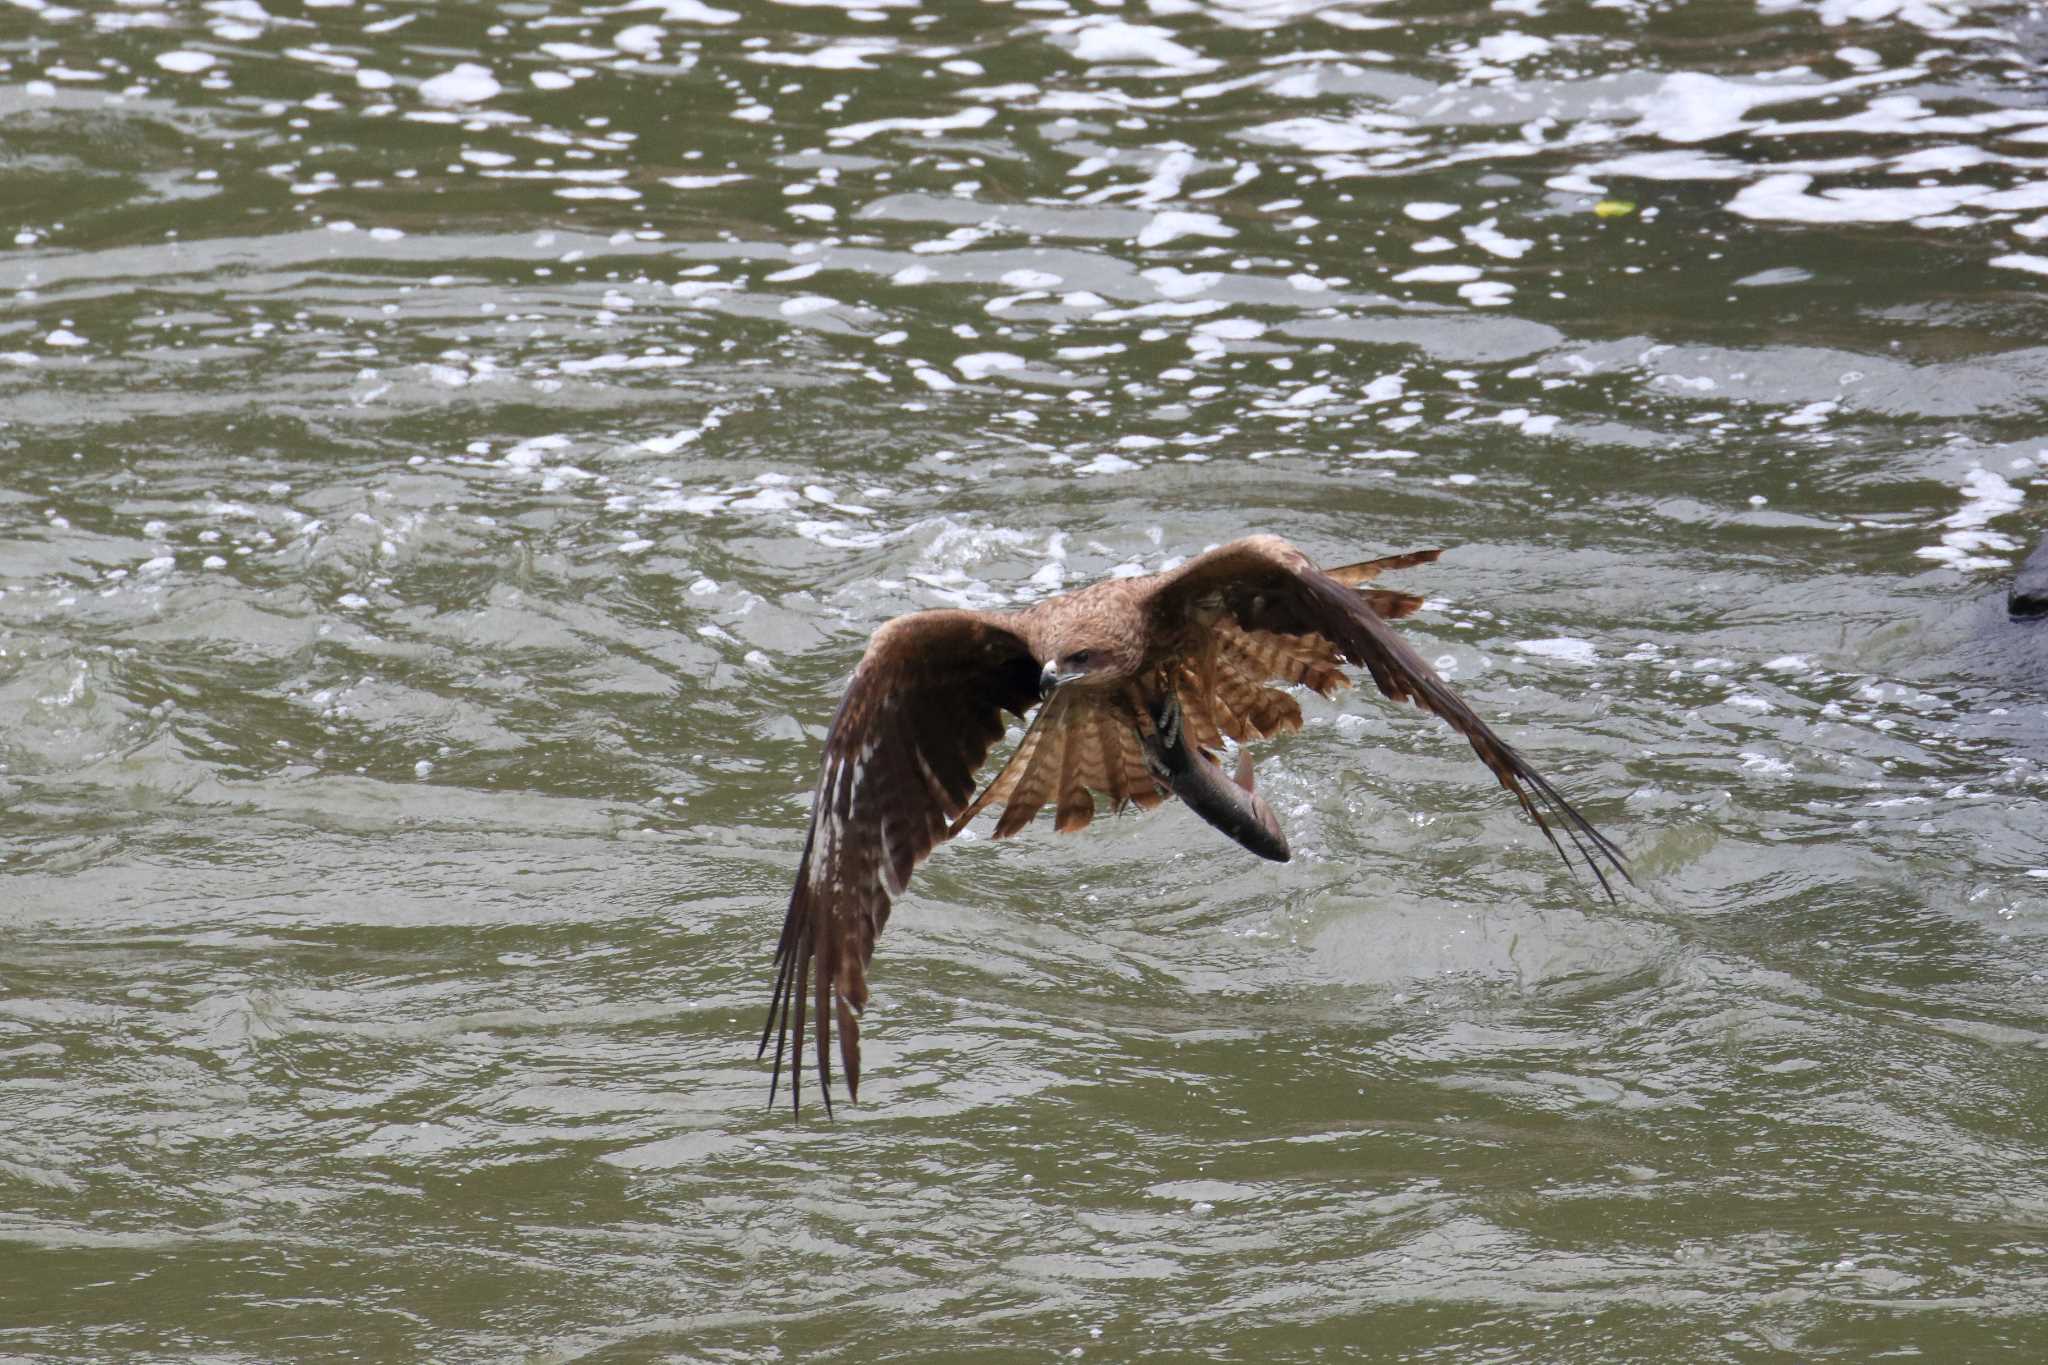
{"points": [[1083, 657]]}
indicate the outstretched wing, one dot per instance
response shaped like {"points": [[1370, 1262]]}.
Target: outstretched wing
{"points": [[1264, 588], [918, 719]]}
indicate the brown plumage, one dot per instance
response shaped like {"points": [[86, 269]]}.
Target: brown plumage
{"points": [[1141, 679]]}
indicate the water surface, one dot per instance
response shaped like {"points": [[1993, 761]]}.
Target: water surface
{"points": [[455, 454]]}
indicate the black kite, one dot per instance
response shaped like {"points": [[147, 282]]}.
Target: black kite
{"points": [[1141, 679]]}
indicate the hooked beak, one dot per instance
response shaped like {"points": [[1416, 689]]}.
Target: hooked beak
{"points": [[1050, 678]]}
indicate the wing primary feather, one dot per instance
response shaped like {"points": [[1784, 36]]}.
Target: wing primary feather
{"points": [[800, 989], [824, 1031], [849, 1052], [778, 1009]]}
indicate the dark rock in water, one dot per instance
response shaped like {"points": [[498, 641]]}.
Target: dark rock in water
{"points": [[2029, 595]]}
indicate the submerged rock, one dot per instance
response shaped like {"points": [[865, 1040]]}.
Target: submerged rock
{"points": [[2029, 595]]}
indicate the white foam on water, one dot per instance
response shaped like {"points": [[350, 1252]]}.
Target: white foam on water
{"points": [[1174, 283], [628, 363], [1191, 308], [1144, 44], [1670, 165], [1439, 274], [1172, 224], [529, 453], [1385, 389], [1987, 495], [1932, 16], [1810, 414], [642, 40], [1944, 159], [1564, 649], [465, 83], [841, 56], [1310, 395], [1488, 237], [1528, 424], [185, 62], [686, 11], [1885, 114], [1353, 21], [591, 175], [1163, 184], [1784, 198], [984, 363], [1365, 132], [1692, 106], [977, 117], [1511, 47]]}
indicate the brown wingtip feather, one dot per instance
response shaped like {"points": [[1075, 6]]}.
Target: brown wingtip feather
{"points": [[1351, 575], [1580, 831], [849, 1050], [1401, 675]]}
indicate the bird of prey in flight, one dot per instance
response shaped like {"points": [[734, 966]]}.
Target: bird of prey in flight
{"points": [[1137, 682]]}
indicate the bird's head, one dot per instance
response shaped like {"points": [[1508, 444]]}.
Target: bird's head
{"points": [[1098, 648]]}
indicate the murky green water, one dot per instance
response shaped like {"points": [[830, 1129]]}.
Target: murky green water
{"points": [[454, 453]]}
